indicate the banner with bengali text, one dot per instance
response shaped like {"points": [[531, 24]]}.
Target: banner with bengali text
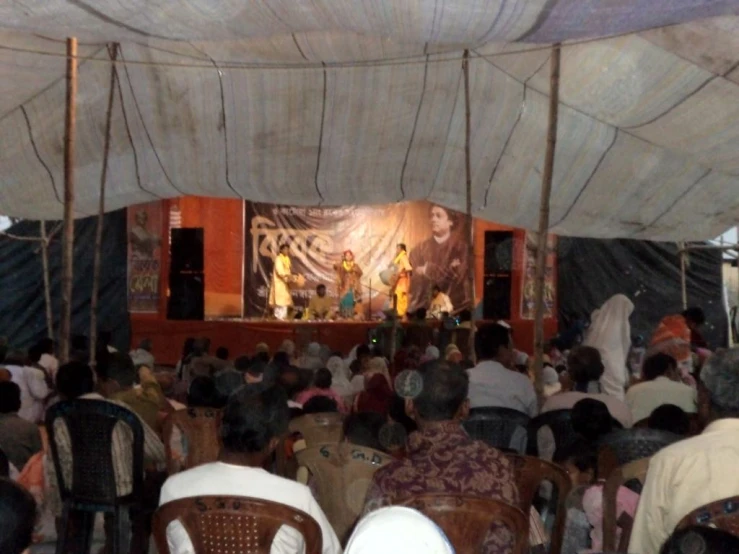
{"points": [[144, 257]]}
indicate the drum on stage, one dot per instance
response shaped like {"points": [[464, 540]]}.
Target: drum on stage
{"points": [[389, 276], [299, 281]]}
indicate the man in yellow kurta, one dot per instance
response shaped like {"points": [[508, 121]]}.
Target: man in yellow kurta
{"points": [[401, 290], [279, 293]]}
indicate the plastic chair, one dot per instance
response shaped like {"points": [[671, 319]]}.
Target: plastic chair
{"points": [[234, 524], [342, 473], [321, 428], [91, 425], [560, 423], [627, 445], [721, 514], [200, 427], [636, 470], [466, 520], [531, 473], [497, 427]]}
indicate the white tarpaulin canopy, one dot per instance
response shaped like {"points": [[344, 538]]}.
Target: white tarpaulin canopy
{"points": [[360, 101]]}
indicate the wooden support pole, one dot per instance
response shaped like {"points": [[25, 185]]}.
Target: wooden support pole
{"points": [[47, 283], [113, 53], [470, 222], [65, 325], [541, 247], [683, 276]]}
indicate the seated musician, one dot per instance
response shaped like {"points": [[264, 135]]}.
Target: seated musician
{"points": [[320, 306], [440, 304]]}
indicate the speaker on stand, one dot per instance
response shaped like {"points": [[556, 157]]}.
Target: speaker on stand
{"points": [[186, 276]]}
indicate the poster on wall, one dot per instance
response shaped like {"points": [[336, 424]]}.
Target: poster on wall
{"points": [[550, 283], [144, 257], [318, 237]]}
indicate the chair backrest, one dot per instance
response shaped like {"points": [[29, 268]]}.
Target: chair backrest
{"points": [[466, 520], [498, 426], [90, 425], [342, 473], [530, 474], [629, 445], [636, 470], [233, 524], [319, 428], [722, 514], [559, 421], [200, 427]]}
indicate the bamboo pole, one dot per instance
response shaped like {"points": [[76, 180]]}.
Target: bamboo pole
{"points": [[65, 325], [683, 276], [113, 53], [47, 283], [470, 223], [541, 247]]}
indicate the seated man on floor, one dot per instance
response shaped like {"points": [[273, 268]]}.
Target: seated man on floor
{"points": [[695, 471], [442, 458], [320, 306], [251, 430]]}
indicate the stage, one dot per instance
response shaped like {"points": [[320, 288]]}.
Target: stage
{"points": [[242, 336]]}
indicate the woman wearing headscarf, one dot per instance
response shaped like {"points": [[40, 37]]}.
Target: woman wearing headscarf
{"points": [[339, 379], [398, 530], [311, 358], [377, 393], [610, 333]]}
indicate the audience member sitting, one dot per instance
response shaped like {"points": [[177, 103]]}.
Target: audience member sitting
{"points": [[357, 367], [585, 368], [251, 430], [376, 395], [261, 353], [142, 355], [222, 353], [398, 530], [580, 459], [255, 373], [363, 429], [698, 470], [322, 381], [201, 362], [320, 405], [168, 383], [181, 368], [670, 418], [75, 381], [146, 400], [311, 358], [48, 361], [592, 420], [662, 385], [203, 393], [33, 385], [19, 439], [229, 379], [699, 539], [17, 517], [492, 383], [442, 458], [340, 383]]}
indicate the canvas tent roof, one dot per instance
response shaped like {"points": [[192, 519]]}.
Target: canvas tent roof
{"points": [[359, 101]]}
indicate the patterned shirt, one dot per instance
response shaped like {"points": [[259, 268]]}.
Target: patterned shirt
{"points": [[442, 458]]}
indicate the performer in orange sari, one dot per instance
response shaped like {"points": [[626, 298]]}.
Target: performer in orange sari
{"points": [[349, 288], [402, 288]]}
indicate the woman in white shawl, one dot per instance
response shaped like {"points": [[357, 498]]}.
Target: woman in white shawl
{"points": [[398, 530], [339, 380], [610, 333]]}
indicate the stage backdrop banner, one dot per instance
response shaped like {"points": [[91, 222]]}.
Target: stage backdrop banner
{"points": [[144, 257], [550, 276], [319, 235]]}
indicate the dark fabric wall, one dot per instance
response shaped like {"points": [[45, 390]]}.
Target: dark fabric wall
{"points": [[590, 271], [22, 307]]}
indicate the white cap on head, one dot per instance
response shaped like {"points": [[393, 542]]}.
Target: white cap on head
{"points": [[398, 530]]}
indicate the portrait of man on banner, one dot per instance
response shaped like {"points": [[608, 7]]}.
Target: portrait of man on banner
{"points": [[441, 260]]}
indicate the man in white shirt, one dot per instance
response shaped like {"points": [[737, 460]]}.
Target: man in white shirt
{"points": [[661, 385], [251, 430], [142, 355], [440, 304], [696, 471], [492, 383], [33, 385]]}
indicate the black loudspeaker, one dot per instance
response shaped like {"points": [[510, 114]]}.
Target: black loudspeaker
{"points": [[186, 296], [497, 280], [186, 250]]}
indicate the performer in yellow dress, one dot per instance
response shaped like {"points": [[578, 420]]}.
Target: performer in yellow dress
{"points": [[279, 293], [349, 288], [402, 288]]}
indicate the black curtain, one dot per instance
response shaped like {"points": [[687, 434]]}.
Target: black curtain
{"points": [[590, 271], [22, 305]]}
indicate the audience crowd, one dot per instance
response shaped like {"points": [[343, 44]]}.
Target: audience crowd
{"points": [[407, 422]]}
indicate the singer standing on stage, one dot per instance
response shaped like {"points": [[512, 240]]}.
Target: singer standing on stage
{"points": [[402, 289], [279, 293], [348, 286]]}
